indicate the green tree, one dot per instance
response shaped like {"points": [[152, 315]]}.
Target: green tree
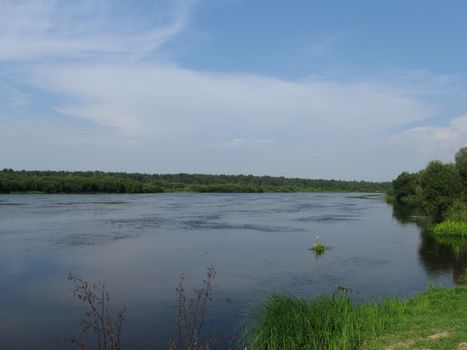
{"points": [[461, 165], [441, 186], [405, 186]]}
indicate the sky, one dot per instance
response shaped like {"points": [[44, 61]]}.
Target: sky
{"points": [[361, 89]]}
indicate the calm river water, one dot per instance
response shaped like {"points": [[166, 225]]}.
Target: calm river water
{"points": [[140, 244]]}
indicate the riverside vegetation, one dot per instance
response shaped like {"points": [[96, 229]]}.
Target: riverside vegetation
{"points": [[441, 191], [434, 319], [106, 182]]}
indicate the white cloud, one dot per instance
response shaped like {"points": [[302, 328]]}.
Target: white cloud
{"points": [[180, 119], [427, 143], [38, 29], [147, 99]]}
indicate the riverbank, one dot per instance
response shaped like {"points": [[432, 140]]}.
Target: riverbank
{"points": [[12, 181], [434, 319]]}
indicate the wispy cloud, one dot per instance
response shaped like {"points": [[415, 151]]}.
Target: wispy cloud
{"points": [[434, 142], [177, 116], [38, 29], [147, 99]]}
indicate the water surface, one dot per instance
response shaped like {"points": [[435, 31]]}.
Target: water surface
{"points": [[140, 244]]}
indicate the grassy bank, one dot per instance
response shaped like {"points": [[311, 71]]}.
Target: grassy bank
{"points": [[436, 319]]}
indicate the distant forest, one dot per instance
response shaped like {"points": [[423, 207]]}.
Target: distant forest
{"points": [[12, 181]]}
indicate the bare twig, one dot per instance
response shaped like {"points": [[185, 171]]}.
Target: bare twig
{"points": [[97, 318], [191, 314]]}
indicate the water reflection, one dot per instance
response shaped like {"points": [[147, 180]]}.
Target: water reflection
{"points": [[438, 255], [408, 215]]}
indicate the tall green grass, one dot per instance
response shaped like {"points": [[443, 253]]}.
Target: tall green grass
{"points": [[335, 323], [321, 323]]}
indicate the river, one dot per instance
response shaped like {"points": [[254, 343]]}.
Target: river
{"points": [[138, 245]]}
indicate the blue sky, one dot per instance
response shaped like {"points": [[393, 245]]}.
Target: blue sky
{"points": [[316, 89]]}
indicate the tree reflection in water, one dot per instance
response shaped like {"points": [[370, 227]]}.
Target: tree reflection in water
{"points": [[446, 255]]}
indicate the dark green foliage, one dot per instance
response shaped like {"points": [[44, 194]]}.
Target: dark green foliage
{"points": [[440, 189], [441, 186], [435, 188], [457, 212], [102, 182], [461, 165], [406, 188]]}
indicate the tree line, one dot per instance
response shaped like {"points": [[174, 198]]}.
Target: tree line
{"points": [[23, 181], [436, 188]]}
